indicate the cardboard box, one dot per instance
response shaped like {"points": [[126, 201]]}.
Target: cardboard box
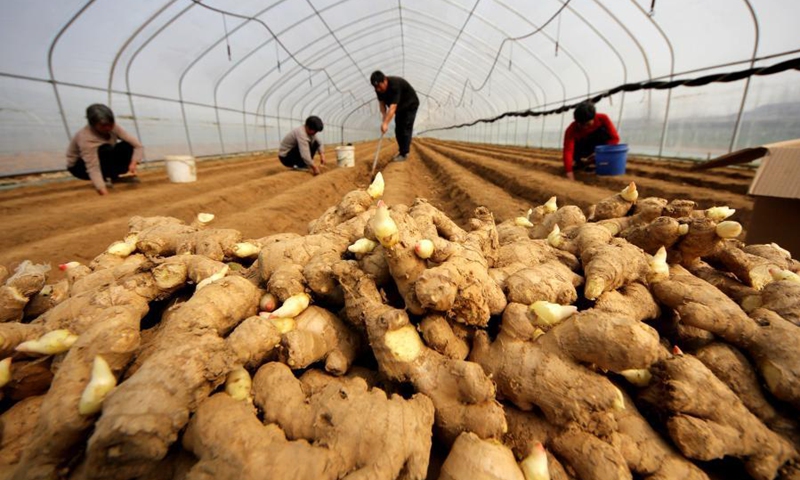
{"points": [[776, 188]]}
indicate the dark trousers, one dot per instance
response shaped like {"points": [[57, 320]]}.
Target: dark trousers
{"points": [[114, 161], [403, 128], [293, 158], [585, 147]]}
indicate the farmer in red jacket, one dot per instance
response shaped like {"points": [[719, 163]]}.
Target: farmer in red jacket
{"points": [[589, 130]]}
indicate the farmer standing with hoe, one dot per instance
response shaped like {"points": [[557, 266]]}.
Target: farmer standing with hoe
{"points": [[398, 100]]}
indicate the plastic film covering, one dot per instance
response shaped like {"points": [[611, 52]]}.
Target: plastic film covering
{"points": [[215, 77]]}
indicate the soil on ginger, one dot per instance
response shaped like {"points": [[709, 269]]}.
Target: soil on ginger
{"points": [[65, 220]]}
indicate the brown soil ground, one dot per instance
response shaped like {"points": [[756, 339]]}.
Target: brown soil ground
{"points": [[55, 219]]}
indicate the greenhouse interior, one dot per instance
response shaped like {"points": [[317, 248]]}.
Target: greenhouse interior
{"points": [[553, 239]]}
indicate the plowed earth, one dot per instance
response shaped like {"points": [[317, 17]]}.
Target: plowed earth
{"points": [[64, 220]]}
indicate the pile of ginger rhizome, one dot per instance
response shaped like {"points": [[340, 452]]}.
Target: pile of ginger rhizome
{"points": [[638, 339]]}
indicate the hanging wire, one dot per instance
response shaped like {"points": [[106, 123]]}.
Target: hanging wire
{"points": [[786, 65], [467, 82], [227, 43], [510, 54], [278, 56], [652, 12], [275, 37], [558, 33]]}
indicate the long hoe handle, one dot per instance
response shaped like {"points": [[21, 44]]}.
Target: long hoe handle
{"points": [[375, 162]]}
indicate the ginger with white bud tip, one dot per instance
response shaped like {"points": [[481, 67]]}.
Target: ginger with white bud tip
{"points": [[384, 227], [719, 214], [601, 336], [375, 189], [246, 249], [534, 466], [268, 303], [659, 269], [566, 217], [362, 245], [538, 214], [353, 204], [554, 238], [123, 248], [549, 314], [238, 384], [460, 285], [639, 377], [729, 229], [522, 222], [612, 266], [616, 205], [189, 360], [424, 248], [51, 343], [318, 335], [751, 269], [203, 219], [461, 392], [661, 232], [292, 307], [5, 371], [65, 421], [779, 274], [100, 384]]}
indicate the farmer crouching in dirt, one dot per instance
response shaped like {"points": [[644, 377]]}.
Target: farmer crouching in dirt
{"points": [[102, 151], [299, 146], [589, 130]]}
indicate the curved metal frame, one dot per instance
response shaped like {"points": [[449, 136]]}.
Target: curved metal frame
{"points": [[344, 76], [50, 64], [737, 125]]}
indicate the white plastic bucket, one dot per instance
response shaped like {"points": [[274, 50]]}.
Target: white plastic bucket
{"points": [[346, 156], [180, 168]]}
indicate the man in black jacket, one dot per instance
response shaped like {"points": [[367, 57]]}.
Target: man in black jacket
{"points": [[398, 100]]}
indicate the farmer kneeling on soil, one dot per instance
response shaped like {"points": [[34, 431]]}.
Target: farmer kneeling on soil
{"points": [[102, 151], [299, 146], [589, 130]]}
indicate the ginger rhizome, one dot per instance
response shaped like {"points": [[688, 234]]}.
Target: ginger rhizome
{"points": [[464, 397], [388, 335]]}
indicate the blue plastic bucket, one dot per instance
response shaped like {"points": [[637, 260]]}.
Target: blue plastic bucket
{"points": [[611, 159]]}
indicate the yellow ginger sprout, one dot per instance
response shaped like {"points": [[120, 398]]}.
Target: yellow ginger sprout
{"points": [[292, 307], [534, 466], [101, 382], [238, 384], [424, 248], [51, 343], [549, 314], [375, 190], [362, 245]]}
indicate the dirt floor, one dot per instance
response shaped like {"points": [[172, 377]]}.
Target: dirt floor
{"points": [[55, 219]]}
